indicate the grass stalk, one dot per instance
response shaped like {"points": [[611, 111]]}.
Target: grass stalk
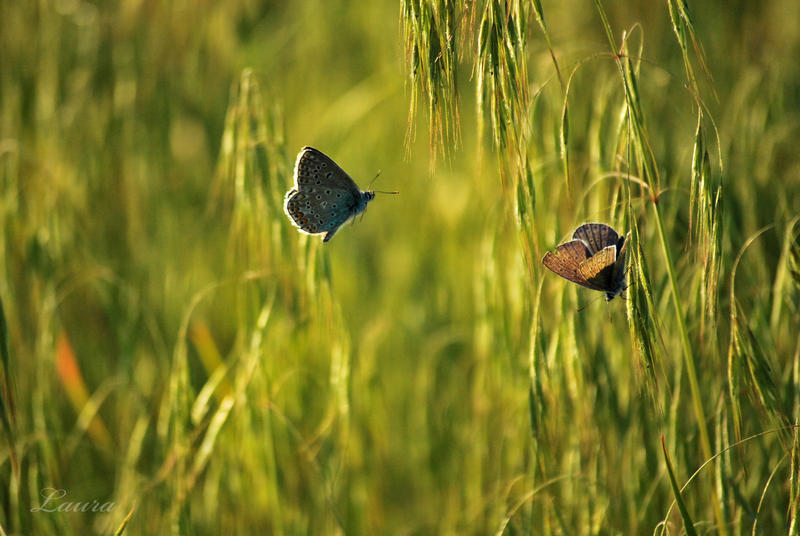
{"points": [[650, 169]]}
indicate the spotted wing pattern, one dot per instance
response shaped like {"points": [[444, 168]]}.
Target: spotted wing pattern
{"points": [[320, 212], [313, 168], [324, 197]]}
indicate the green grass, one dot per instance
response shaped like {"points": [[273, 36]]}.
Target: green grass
{"points": [[170, 344]]}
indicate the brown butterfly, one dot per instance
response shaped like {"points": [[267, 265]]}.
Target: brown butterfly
{"points": [[594, 258]]}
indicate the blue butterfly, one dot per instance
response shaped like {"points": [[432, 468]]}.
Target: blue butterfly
{"points": [[324, 196]]}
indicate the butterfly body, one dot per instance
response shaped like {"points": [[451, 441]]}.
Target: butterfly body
{"points": [[324, 197], [594, 258]]}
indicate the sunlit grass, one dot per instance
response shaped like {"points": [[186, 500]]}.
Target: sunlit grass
{"points": [[170, 344]]}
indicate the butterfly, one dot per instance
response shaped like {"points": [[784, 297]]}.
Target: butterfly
{"points": [[594, 258], [324, 196]]}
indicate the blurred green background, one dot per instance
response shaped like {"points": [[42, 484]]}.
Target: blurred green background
{"points": [[173, 346]]}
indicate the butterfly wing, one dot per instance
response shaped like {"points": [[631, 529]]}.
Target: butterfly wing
{"points": [[324, 197], [594, 259], [566, 261], [619, 264], [299, 208], [597, 236], [320, 210], [622, 249], [598, 269], [314, 169]]}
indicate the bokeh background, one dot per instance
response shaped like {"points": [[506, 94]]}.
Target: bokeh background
{"points": [[177, 359]]}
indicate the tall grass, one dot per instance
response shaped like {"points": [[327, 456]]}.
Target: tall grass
{"points": [[178, 358]]}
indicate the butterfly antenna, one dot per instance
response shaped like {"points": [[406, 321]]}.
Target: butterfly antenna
{"points": [[378, 174]]}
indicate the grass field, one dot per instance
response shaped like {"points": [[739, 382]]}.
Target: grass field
{"points": [[177, 359]]}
